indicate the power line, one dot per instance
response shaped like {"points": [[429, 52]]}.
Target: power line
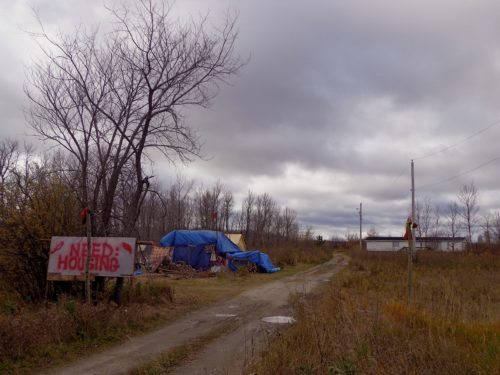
{"points": [[462, 173], [403, 171], [446, 148]]}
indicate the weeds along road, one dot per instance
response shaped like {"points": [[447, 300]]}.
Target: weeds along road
{"points": [[230, 352]]}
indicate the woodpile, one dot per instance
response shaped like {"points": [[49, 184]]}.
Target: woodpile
{"points": [[179, 271]]}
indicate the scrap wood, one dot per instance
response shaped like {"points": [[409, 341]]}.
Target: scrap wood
{"points": [[183, 271]]}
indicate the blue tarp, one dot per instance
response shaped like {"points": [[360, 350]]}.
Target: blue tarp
{"points": [[256, 257], [189, 247], [223, 245], [195, 256]]}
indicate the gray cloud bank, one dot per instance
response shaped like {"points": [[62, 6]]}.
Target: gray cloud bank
{"points": [[336, 99]]}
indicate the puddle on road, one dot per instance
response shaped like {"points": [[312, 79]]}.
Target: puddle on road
{"points": [[278, 319], [225, 315]]}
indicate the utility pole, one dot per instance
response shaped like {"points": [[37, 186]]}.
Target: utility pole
{"points": [[360, 226], [411, 241]]}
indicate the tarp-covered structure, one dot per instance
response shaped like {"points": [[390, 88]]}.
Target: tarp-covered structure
{"points": [[202, 249], [260, 259]]}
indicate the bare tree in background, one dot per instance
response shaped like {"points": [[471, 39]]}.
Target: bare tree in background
{"points": [[179, 206], [109, 100], [453, 216], [486, 226], [208, 202], [279, 225], [495, 228], [468, 198], [423, 217], [246, 215], [9, 155], [265, 207], [290, 223], [226, 209]]}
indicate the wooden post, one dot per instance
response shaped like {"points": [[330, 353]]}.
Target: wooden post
{"points": [[88, 292], [360, 226], [411, 241]]}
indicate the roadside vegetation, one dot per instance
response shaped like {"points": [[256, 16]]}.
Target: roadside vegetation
{"points": [[36, 335], [361, 323]]}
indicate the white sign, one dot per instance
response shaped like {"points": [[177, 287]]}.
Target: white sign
{"points": [[110, 256]]}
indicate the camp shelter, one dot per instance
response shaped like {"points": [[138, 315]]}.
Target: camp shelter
{"points": [[202, 249], [238, 239]]}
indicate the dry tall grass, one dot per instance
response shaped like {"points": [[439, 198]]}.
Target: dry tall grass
{"points": [[360, 323], [302, 252], [38, 334]]}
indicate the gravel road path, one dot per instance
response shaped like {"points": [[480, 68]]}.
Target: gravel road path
{"points": [[228, 354]]}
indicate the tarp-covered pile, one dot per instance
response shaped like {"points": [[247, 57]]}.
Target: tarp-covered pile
{"points": [[204, 249]]}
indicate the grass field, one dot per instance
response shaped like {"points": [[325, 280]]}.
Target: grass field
{"points": [[361, 324]]}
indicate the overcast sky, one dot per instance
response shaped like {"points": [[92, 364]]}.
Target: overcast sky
{"points": [[337, 98]]}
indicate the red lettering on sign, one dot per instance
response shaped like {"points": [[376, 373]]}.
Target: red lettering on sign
{"points": [[96, 248], [83, 252], [62, 262], [114, 265], [127, 247], [58, 247], [107, 249], [74, 249]]}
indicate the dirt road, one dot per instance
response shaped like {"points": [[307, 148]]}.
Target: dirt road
{"points": [[230, 353]]}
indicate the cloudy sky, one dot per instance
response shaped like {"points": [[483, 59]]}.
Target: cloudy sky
{"points": [[337, 98]]}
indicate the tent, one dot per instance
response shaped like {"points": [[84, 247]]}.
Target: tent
{"points": [[202, 249], [238, 239]]}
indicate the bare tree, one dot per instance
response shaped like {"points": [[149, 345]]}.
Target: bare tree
{"points": [[423, 217], [487, 227], [208, 202], [278, 225], [179, 204], [265, 206], [109, 100], [308, 234], [290, 223], [436, 222], [495, 228], [246, 215], [468, 198], [453, 215], [9, 156], [226, 209]]}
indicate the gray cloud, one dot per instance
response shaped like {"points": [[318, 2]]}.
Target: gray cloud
{"points": [[339, 93]]}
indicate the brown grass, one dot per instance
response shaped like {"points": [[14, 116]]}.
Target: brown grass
{"points": [[303, 252], [361, 324], [42, 334]]}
